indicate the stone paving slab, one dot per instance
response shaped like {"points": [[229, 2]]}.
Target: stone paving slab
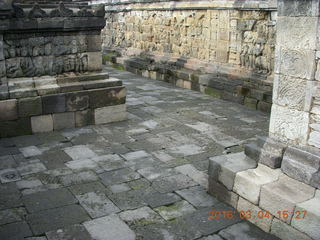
{"points": [[107, 181]]}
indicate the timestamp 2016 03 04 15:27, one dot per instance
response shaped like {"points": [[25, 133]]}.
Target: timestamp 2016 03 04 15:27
{"points": [[248, 214]]}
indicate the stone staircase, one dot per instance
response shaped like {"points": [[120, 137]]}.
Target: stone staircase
{"points": [[266, 184]]}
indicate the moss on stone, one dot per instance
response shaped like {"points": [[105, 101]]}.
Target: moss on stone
{"points": [[212, 92]]}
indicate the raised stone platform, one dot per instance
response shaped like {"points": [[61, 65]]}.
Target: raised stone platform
{"points": [[52, 103], [50, 70]]}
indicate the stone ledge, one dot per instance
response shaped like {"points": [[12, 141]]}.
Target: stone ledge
{"points": [[190, 74]]}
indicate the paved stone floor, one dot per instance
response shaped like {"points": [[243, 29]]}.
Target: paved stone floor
{"points": [[144, 178]]}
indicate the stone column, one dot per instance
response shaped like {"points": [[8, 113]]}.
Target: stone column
{"points": [[295, 115], [295, 68]]}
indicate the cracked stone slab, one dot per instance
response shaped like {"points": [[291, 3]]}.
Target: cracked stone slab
{"points": [[80, 189], [118, 188], [109, 228], [118, 176], [30, 151], [135, 155], [186, 150], [156, 199], [48, 199], [127, 200], [151, 173], [140, 216], [80, 152], [12, 215], [39, 223], [197, 196], [17, 230], [78, 178], [172, 183], [31, 167], [76, 231], [175, 210], [245, 230], [197, 176], [97, 204]]}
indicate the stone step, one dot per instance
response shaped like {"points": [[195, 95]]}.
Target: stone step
{"points": [[225, 167], [253, 151], [18, 83], [284, 195], [67, 78]]}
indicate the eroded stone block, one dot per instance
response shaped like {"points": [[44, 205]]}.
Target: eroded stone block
{"points": [[29, 106], [110, 114], [225, 167], [284, 194], [63, 120], [248, 183], [42, 123], [8, 110]]}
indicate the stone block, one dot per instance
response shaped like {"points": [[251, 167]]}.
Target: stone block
{"points": [[107, 97], [8, 110], [311, 222], [292, 32], [59, 218], [296, 63], [94, 43], [251, 103], [109, 228], [263, 223], [77, 101], [272, 152], [17, 230], [94, 61], [54, 103], [224, 168], [285, 231], [297, 8], [42, 123], [289, 123], [253, 151], [264, 106], [29, 106], [284, 195], [84, 118], [22, 126], [110, 114], [292, 92], [63, 120], [220, 192], [76, 231], [301, 163], [248, 183], [48, 199]]}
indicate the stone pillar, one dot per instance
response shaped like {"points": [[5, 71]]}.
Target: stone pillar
{"points": [[295, 68], [295, 115]]}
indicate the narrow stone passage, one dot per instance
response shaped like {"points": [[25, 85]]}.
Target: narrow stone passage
{"points": [[144, 178]]}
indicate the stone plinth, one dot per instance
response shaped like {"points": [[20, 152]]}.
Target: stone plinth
{"points": [[50, 71]]}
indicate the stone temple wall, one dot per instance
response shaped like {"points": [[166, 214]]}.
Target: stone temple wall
{"points": [[234, 38]]}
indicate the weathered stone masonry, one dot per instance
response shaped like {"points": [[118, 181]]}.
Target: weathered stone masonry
{"points": [[232, 40], [50, 63]]}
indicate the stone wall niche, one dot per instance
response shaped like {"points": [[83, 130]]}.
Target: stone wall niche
{"points": [[50, 70]]}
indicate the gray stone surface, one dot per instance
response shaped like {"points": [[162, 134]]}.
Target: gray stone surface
{"points": [[301, 164], [52, 219], [224, 168], [42, 123], [244, 230], [285, 193], [109, 228], [76, 231], [63, 120], [17, 230], [97, 204], [120, 155], [175, 210], [29, 107], [48, 199], [8, 110], [140, 216]]}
